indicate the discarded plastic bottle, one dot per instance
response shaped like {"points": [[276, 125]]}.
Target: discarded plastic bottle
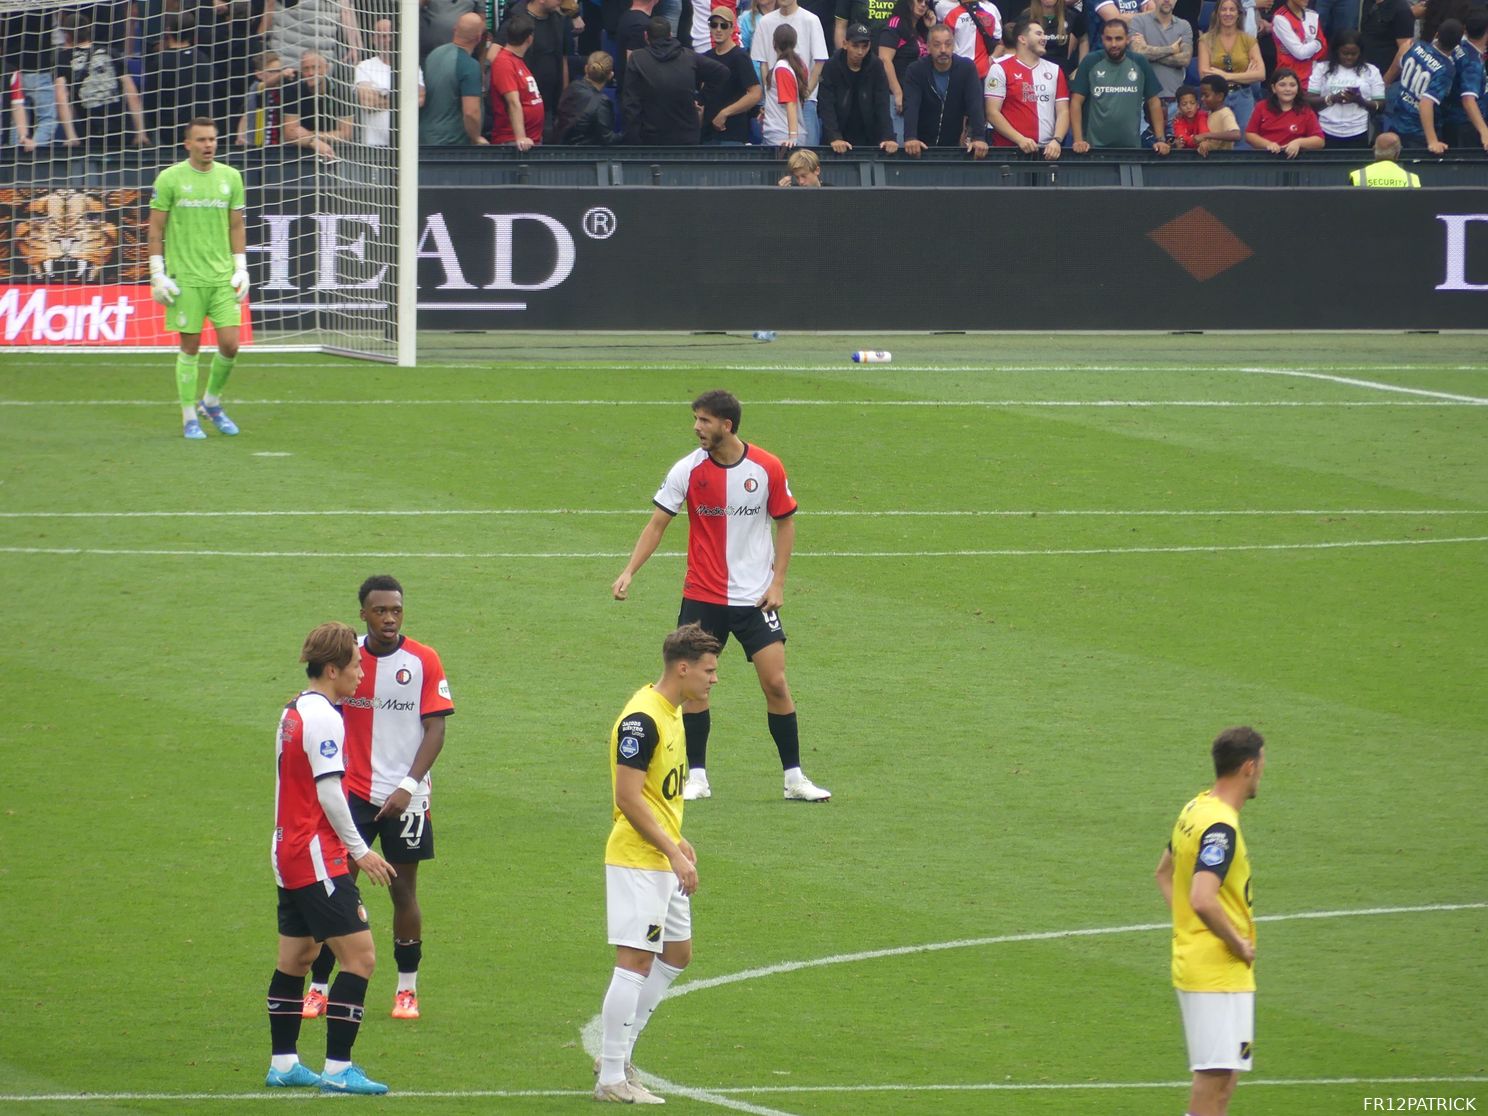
{"points": [[872, 356], [764, 335]]}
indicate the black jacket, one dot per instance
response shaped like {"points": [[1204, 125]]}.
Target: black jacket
{"points": [[660, 98], [586, 117], [938, 123], [834, 105]]}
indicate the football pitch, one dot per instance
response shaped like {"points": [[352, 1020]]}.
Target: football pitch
{"points": [[1033, 577]]}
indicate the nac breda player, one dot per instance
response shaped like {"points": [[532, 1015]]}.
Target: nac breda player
{"points": [[315, 842], [199, 268], [1027, 98], [394, 733], [735, 580], [650, 869], [1204, 875]]}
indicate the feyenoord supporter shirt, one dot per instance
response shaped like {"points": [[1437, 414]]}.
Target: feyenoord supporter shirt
{"points": [[198, 251], [730, 550], [1029, 96], [385, 717], [308, 747]]}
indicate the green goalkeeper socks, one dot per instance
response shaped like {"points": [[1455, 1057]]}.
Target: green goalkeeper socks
{"points": [[186, 379], [221, 369]]}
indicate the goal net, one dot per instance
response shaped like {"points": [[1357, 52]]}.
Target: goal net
{"points": [[308, 98]]}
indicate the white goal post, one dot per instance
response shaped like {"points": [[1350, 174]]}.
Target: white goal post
{"points": [[95, 96]]}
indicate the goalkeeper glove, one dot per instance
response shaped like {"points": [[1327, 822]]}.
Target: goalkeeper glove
{"points": [[163, 289], [239, 278]]}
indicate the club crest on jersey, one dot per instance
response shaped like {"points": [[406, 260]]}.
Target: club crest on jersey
{"points": [[328, 748], [751, 485], [630, 747], [404, 676], [362, 913]]}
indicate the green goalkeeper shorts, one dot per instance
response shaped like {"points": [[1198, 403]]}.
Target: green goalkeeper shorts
{"points": [[196, 304]]}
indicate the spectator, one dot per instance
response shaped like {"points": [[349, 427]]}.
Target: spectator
{"points": [[1283, 124], [662, 87], [855, 97], [94, 92], [232, 32], [1386, 30], [1224, 130], [328, 27], [317, 110], [374, 87], [1190, 122], [586, 117], [700, 36], [179, 80], [1464, 116], [901, 44], [1426, 77], [517, 111], [262, 121], [1167, 44], [811, 45], [1107, 10], [872, 14], [785, 91], [1064, 31], [454, 89], [1386, 170], [1299, 38], [630, 36], [1334, 18], [727, 115], [804, 168], [1346, 92], [943, 100], [1229, 53], [1108, 94], [978, 28], [1027, 97], [547, 55], [749, 20], [437, 19], [28, 54]]}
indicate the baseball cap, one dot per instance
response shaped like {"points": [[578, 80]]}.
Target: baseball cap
{"points": [[857, 33], [722, 11]]}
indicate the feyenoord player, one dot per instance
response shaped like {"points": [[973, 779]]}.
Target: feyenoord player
{"points": [[1027, 97], [735, 579], [1204, 875], [394, 733], [199, 267], [315, 842], [650, 869]]}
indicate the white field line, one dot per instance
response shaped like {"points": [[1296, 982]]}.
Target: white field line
{"points": [[122, 552], [1462, 401], [918, 513], [1373, 385]]}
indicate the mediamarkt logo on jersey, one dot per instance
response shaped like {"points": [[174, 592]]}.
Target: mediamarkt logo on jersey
{"points": [[118, 315]]}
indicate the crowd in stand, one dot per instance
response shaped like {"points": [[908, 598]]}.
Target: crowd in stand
{"points": [[1043, 76]]}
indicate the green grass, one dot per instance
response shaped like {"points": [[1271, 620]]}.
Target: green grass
{"points": [[1010, 710]]}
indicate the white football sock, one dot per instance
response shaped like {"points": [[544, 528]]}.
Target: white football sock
{"points": [[793, 776], [283, 1062], [188, 413], [323, 989], [618, 1016], [335, 1066], [654, 989], [408, 982]]}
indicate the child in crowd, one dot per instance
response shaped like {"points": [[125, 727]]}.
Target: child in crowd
{"points": [[1191, 121], [262, 122]]}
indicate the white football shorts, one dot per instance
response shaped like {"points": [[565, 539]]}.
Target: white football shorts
{"points": [[1220, 1029], [645, 909]]}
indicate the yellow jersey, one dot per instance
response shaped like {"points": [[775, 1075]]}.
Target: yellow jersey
{"points": [[1206, 838], [648, 736]]}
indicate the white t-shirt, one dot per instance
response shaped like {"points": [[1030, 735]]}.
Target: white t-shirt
{"points": [[811, 44], [1345, 121], [377, 124]]}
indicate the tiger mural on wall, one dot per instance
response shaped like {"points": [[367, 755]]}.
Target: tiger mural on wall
{"points": [[69, 235]]}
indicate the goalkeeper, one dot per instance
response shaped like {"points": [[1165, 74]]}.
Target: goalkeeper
{"points": [[199, 267]]}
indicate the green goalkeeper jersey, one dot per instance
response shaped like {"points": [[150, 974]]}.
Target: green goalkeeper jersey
{"points": [[198, 249]]}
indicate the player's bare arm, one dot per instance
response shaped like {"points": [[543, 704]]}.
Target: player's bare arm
{"points": [[1164, 876], [645, 547], [428, 751], [1203, 896], [630, 800], [785, 542]]}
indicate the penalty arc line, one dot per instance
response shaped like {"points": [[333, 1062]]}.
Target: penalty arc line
{"points": [[1373, 385]]}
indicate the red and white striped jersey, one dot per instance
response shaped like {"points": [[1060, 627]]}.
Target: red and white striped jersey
{"points": [[971, 43], [1028, 94], [730, 550], [309, 746], [385, 718]]}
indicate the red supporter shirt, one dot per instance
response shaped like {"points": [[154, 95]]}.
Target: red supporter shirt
{"points": [[730, 549], [1029, 95], [971, 44], [1297, 122], [308, 747], [385, 719], [1186, 133], [509, 74]]}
